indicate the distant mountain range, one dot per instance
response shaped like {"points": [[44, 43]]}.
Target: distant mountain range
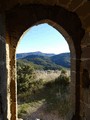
{"points": [[22, 55], [46, 60]]}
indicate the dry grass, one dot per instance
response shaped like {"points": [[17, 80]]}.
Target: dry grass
{"points": [[36, 105], [47, 75]]}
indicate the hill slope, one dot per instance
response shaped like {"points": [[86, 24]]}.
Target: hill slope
{"points": [[47, 61], [22, 55], [62, 59], [43, 61]]}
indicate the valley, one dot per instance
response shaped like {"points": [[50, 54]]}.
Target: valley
{"points": [[43, 88], [45, 60]]}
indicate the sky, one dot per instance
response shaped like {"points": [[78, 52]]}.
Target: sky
{"points": [[44, 38]]}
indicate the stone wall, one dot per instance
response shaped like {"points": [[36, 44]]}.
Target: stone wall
{"points": [[3, 82], [23, 17], [11, 78], [85, 77]]}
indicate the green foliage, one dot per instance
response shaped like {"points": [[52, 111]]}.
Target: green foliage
{"points": [[58, 91], [22, 110], [63, 71], [43, 59], [25, 75], [40, 62], [62, 59], [62, 80], [30, 90], [54, 93]]}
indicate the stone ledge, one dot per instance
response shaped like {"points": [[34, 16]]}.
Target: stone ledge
{"points": [[85, 59]]}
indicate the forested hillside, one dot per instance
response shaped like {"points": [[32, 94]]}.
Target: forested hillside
{"points": [[46, 61], [22, 55], [62, 59]]}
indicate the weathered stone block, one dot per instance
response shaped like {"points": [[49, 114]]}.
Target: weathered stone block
{"points": [[3, 89], [86, 39], [86, 65], [85, 96], [85, 52], [2, 25], [2, 51], [73, 64], [3, 77], [85, 111], [73, 78]]}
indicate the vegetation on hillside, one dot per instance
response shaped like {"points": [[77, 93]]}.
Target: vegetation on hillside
{"points": [[40, 62], [25, 75], [46, 61], [62, 59], [22, 55], [33, 93]]}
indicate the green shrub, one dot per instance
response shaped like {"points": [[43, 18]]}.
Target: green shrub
{"points": [[22, 110], [25, 75]]}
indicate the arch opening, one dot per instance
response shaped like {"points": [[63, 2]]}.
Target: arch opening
{"points": [[73, 55]]}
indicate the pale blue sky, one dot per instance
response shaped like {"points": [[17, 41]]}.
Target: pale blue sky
{"points": [[42, 38]]}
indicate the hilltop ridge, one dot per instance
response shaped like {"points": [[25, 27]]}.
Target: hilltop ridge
{"points": [[46, 60]]}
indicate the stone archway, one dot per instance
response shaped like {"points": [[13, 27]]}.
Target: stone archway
{"points": [[31, 15], [73, 61]]}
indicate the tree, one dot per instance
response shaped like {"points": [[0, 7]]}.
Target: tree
{"points": [[25, 74]]}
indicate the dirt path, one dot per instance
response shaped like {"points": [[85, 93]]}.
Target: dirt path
{"points": [[40, 114]]}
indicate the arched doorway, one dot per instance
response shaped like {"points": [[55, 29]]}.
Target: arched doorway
{"points": [[49, 15], [53, 97]]}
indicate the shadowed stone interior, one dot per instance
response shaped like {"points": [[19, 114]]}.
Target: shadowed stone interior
{"points": [[72, 19]]}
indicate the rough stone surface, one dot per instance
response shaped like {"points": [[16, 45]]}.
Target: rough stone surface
{"points": [[72, 16], [29, 15], [3, 82], [26, 16], [85, 77], [2, 51], [86, 40], [86, 52]]}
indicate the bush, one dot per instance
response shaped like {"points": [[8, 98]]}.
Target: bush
{"points": [[25, 75], [22, 110]]}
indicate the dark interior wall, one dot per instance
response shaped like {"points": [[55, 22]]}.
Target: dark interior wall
{"points": [[20, 18], [85, 77], [3, 82]]}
